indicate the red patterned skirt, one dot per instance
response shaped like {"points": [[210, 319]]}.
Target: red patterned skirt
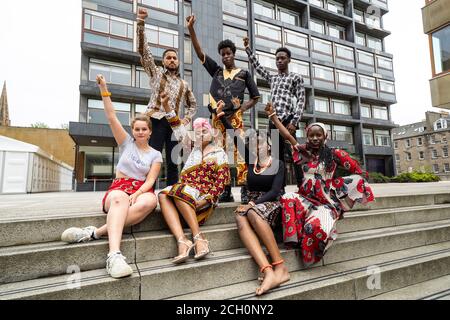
{"points": [[127, 185]]}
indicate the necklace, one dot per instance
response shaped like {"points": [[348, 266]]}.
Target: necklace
{"points": [[263, 168]]}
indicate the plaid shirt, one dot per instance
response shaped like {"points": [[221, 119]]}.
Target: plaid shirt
{"points": [[176, 88], [283, 87]]}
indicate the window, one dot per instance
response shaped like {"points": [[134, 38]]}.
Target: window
{"points": [[395, 144], [434, 154], [124, 5], [187, 7], [109, 31], [294, 41], [301, 132], [408, 156], [188, 78], [187, 51], [96, 113], [432, 139], [367, 83], [317, 26], [384, 63], [441, 50], [161, 38], [142, 79], [365, 111], [344, 52], [380, 113], [237, 36], [323, 73], [115, 73], [435, 168], [342, 133], [408, 143], [368, 137], [346, 78], [419, 141], [387, 86], [165, 5], [335, 7], [447, 167], [397, 157], [445, 152], [440, 124], [342, 107], [360, 39], [318, 3], [265, 31], [421, 155], [374, 43], [358, 15], [336, 31], [372, 20], [365, 58], [382, 138], [264, 9], [299, 67], [265, 95], [287, 16], [321, 46], [235, 11], [266, 60], [322, 104], [140, 108]]}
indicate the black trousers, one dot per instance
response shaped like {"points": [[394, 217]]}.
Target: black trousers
{"points": [[161, 135], [285, 150]]}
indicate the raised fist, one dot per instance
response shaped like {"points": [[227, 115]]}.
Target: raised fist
{"points": [[269, 109], [246, 42], [190, 21], [101, 80], [142, 13]]}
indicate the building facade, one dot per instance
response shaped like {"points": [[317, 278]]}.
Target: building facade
{"points": [[436, 24], [4, 110], [424, 146], [337, 45]]}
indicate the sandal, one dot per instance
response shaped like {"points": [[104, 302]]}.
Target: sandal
{"points": [[203, 253], [183, 257]]}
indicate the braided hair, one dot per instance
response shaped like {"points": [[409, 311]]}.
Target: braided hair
{"points": [[326, 156]]}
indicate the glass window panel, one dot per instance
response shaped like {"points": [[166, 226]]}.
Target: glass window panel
{"points": [[365, 111], [317, 26], [342, 107], [100, 24], [119, 28], [321, 104], [265, 9], [367, 83], [380, 113], [365, 57], [441, 49], [323, 73], [346, 78], [322, 46], [344, 52], [386, 86]]}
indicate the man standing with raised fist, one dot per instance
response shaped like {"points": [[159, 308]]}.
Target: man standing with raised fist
{"points": [[166, 79]]}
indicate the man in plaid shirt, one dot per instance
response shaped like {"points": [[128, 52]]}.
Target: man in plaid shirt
{"points": [[284, 87]]}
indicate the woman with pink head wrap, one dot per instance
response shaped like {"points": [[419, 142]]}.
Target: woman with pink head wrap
{"points": [[310, 215], [196, 194]]}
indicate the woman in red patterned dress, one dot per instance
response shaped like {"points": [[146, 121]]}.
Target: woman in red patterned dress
{"points": [[310, 215], [194, 197]]}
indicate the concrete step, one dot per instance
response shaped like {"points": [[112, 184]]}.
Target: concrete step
{"points": [[345, 280], [55, 258], [435, 289], [351, 280], [49, 228]]}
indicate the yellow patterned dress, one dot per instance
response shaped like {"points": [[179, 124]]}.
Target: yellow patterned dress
{"points": [[202, 178]]}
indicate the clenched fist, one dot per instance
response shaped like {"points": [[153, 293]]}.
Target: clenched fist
{"points": [[142, 13]]}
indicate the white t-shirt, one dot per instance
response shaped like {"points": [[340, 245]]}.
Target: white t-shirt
{"points": [[135, 163]]}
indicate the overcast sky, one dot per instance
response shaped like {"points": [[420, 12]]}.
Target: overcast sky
{"points": [[40, 60]]}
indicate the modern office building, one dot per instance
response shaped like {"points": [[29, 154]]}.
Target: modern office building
{"points": [[337, 45], [436, 23], [423, 146]]}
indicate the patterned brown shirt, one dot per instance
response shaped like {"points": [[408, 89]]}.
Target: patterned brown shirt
{"points": [[176, 88]]}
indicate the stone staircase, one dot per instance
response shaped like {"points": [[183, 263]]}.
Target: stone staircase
{"points": [[397, 248]]}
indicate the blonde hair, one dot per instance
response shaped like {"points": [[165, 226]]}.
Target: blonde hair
{"points": [[142, 117]]}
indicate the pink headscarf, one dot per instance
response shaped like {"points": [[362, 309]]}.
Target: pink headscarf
{"points": [[201, 123]]}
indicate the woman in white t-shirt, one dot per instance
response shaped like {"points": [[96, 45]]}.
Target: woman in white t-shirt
{"points": [[130, 197]]}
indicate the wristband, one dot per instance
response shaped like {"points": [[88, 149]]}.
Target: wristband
{"points": [[106, 94], [272, 114]]}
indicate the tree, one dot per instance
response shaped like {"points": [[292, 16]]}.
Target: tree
{"points": [[40, 125]]}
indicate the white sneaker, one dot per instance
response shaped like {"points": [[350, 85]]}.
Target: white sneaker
{"points": [[78, 235], [117, 267]]}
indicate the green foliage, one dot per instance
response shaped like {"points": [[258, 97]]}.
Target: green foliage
{"points": [[416, 176], [40, 125], [376, 177]]}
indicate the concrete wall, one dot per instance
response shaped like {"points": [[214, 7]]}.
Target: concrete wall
{"points": [[435, 15], [440, 93], [56, 142]]}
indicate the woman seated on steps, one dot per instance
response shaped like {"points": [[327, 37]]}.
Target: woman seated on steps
{"points": [[310, 215], [130, 197], [194, 197], [265, 183]]}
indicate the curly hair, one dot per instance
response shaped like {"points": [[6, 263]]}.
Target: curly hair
{"points": [[226, 44]]}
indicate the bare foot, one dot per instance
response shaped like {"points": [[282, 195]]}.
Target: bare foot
{"points": [[282, 273], [270, 281]]}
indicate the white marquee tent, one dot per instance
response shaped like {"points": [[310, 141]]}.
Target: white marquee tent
{"points": [[25, 168]]}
